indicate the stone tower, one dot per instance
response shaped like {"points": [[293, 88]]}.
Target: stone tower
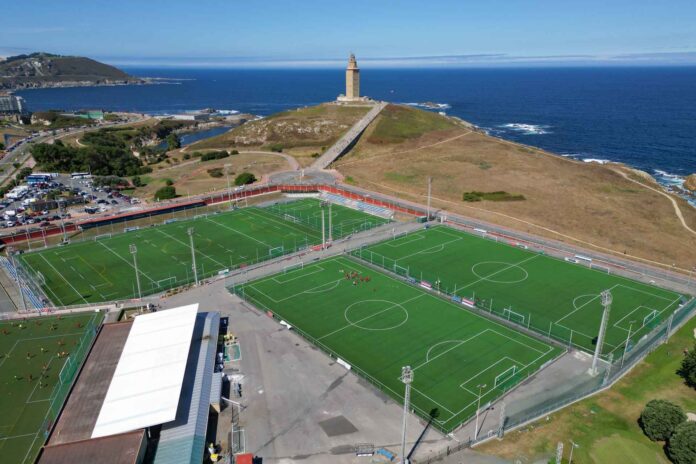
{"points": [[352, 79]]}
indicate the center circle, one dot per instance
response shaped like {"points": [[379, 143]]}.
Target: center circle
{"points": [[365, 314], [500, 272]]}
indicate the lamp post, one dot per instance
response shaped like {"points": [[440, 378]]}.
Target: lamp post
{"points": [[478, 407], [227, 173], [606, 300], [574, 445], [134, 251], [193, 255], [628, 338], [407, 379]]}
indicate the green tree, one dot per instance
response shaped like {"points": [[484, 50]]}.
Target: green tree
{"points": [[659, 419], [168, 182], [682, 444], [137, 181], [234, 152], [2, 146], [165, 193], [245, 178], [688, 367], [173, 141]]}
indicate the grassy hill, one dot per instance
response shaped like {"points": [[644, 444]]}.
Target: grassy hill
{"points": [[302, 132], [606, 425], [47, 70], [521, 187]]}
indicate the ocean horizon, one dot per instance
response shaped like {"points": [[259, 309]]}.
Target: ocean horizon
{"points": [[644, 117]]}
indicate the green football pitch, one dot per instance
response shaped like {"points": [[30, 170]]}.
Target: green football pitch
{"points": [[531, 289], [378, 324], [103, 269], [38, 360]]}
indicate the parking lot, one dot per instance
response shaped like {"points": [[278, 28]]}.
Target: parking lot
{"points": [[59, 199]]}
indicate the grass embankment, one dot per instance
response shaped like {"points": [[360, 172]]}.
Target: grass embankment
{"points": [[606, 426], [304, 133], [580, 203]]}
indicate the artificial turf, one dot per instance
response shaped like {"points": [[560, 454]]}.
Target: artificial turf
{"points": [[33, 353], [378, 324], [103, 269], [535, 290]]}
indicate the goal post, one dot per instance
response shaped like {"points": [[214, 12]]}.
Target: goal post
{"points": [[505, 376], [400, 270], [293, 267], [649, 317], [101, 236], [511, 315], [276, 251]]}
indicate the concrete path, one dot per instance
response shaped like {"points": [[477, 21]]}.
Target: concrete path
{"points": [[340, 147]]}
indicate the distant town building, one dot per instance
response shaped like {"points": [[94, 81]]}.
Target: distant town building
{"points": [[352, 83]]}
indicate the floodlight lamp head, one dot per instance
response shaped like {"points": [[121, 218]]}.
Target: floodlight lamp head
{"points": [[133, 249], [606, 298], [406, 374]]}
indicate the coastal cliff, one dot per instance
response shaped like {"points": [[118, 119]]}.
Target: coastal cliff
{"points": [[39, 70], [690, 183]]}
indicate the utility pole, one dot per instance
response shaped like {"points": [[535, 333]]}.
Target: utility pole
{"points": [[628, 339], [330, 221], [323, 231], [606, 303], [229, 189], [407, 379], [430, 186], [193, 255], [478, 407], [572, 447], [134, 251]]}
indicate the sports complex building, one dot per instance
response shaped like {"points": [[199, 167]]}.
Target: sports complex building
{"points": [[472, 310]]}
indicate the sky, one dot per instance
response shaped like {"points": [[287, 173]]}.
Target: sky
{"points": [[321, 33]]}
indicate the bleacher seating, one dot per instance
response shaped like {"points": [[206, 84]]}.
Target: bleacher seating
{"points": [[31, 299], [359, 205]]}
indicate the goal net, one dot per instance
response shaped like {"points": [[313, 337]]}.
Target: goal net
{"points": [[169, 281], [505, 376], [291, 218], [511, 315], [276, 251], [650, 317], [293, 267], [101, 236], [400, 270]]}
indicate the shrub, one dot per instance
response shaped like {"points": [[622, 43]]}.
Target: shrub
{"points": [[688, 367], [659, 419], [245, 178], [471, 196], [187, 156], [276, 148], [215, 172], [145, 170], [214, 155], [168, 182], [165, 193], [682, 444], [137, 181], [234, 152], [315, 155]]}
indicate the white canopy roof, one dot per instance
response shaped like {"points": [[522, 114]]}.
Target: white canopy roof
{"points": [[147, 382]]}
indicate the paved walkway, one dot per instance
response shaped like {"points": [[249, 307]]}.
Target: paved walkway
{"points": [[340, 147]]}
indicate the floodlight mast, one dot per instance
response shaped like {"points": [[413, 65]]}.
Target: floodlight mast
{"points": [[193, 255], [478, 408], [407, 379], [134, 251], [628, 339], [606, 299]]}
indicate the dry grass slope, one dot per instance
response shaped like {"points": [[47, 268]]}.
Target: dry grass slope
{"points": [[587, 204]]}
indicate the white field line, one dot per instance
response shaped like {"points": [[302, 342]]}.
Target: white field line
{"points": [[285, 224], [643, 291], [187, 246], [457, 345], [126, 261], [429, 250], [583, 305], [402, 242], [239, 233], [62, 277], [499, 271], [394, 305], [514, 363], [315, 270], [46, 286]]}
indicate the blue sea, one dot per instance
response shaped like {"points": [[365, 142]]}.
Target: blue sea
{"points": [[644, 117]]}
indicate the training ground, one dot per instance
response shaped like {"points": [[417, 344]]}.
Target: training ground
{"points": [[554, 297], [39, 358], [376, 324], [103, 268]]}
